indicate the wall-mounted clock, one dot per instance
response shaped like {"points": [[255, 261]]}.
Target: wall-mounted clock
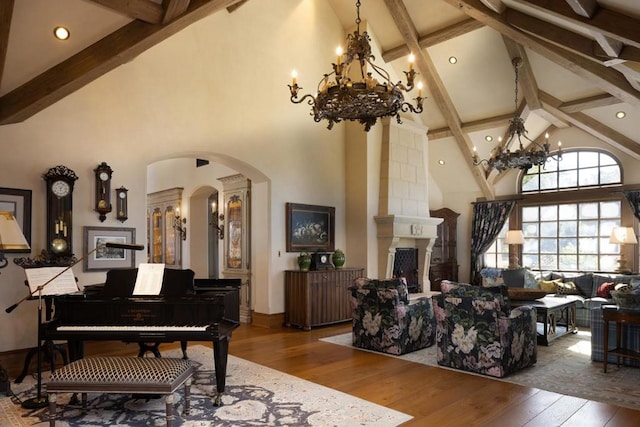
{"points": [[121, 204], [60, 181], [103, 190]]}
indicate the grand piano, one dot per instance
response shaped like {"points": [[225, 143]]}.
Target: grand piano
{"points": [[179, 313]]}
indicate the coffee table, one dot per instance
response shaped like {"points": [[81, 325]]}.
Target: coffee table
{"points": [[556, 317]]}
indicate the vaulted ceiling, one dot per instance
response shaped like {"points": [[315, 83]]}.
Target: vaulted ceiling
{"points": [[581, 61]]}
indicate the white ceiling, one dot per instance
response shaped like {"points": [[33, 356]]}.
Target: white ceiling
{"points": [[480, 86]]}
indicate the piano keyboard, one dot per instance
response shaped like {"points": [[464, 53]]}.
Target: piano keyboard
{"points": [[131, 328]]}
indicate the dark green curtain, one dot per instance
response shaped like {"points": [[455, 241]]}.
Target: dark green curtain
{"points": [[488, 219], [633, 197]]}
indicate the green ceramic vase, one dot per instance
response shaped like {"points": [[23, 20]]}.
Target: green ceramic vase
{"points": [[338, 258], [304, 261]]}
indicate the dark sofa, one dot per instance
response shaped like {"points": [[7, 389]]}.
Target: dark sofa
{"points": [[585, 292]]}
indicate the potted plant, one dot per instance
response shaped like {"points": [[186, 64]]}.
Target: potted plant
{"points": [[304, 261]]}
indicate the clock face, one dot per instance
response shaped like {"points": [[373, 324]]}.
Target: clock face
{"points": [[122, 194], [323, 259], [104, 176], [60, 188]]}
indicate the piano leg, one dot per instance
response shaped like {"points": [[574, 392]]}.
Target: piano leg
{"points": [[153, 348], [220, 352], [183, 347]]}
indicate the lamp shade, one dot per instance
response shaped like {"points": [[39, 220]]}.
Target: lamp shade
{"points": [[514, 237], [623, 235], [11, 237]]}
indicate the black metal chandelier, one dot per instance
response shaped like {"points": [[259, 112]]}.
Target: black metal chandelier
{"points": [[363, 100], [523, 158]]}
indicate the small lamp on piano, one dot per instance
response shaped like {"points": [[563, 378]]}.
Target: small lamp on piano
{"points": [[623, 236], [11, 236], [513, 238]]}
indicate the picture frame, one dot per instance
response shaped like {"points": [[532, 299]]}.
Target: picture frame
{"points": [[18, 202], [108, 258], [310, 228]]}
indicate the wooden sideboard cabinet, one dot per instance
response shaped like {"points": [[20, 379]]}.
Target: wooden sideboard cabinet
{"points": [[321, 297]]}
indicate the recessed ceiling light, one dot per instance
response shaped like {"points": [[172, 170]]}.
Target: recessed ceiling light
{"points": [[453, 60], [488, 138], [621, 114], [441, 162], [61, 33]]}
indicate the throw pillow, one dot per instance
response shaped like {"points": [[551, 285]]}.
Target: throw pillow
{"points": [[567, 288], [549, 286], [604, 291]]}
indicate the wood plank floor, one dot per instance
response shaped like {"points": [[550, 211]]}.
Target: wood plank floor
{"points": [[433, 396]]}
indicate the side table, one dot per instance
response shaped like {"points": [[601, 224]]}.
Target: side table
{"points": [[611, 313]]}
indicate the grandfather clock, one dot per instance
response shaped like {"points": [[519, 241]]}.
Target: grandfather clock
{"points": [[60, 181]]}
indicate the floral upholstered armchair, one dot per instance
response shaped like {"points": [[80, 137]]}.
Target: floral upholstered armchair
{"points": [[477, 331], [385, 321]]}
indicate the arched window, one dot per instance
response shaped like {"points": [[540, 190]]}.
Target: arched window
{"points": [[573, 171], [566, 213], [571, 234]]}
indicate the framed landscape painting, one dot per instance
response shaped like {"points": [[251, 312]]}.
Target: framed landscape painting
{"points": [[108, 258], [310, 228]]}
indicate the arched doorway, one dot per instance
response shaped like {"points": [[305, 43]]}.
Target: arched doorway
{"points": [[203, 248]]}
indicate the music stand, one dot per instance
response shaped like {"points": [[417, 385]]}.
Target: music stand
{"points": [[41, 401]]}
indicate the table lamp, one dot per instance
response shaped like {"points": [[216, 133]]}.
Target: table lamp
{"points": [[11, 237], [514, 237], [623, 236]]}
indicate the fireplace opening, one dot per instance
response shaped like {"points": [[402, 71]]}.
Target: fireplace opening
{"points": [[406, 265]]}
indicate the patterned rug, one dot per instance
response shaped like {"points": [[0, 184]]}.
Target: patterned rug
{"points": [[564, 367], [255, 396]]}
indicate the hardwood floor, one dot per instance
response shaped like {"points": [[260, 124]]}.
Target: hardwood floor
{"points": [[433, 396]]}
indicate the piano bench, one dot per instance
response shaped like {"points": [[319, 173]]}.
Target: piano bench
{"points": [[122, 375]]}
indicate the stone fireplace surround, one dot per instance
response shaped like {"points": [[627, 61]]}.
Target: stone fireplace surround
{"points": [[403, 219]]}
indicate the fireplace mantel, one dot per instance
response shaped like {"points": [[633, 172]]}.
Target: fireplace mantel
{"points": [[397, 231]]}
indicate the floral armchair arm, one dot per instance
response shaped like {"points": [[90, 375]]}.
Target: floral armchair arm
{"points": [[519, 338], [382, 321]]}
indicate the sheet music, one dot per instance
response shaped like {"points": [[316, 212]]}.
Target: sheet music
{"points": [[61, 285], [149, 279]]}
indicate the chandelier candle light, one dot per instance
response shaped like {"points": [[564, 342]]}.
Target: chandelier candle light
{"points": [[363, 100], [523, 158]]}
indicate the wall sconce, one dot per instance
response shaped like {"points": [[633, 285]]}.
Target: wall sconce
{"points": [[177, 224], [215, 216]]}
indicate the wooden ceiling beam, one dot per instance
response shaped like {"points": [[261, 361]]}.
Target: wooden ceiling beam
{"points": [[427, 68], [96, 60], [6, 12], [434, 38], [602, 52], [593, 127], [235, 7], [144, 10], [604, 78], [173, 9], [527, 80], [584, 8], [596, 101], [496, 5], [474, 126], [617, 26]]}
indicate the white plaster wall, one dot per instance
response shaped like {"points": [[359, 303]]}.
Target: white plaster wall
{"points": [[216, 89]]}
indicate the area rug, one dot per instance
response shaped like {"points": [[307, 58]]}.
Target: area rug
{"points": [[564, 367], [255, 396]]}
